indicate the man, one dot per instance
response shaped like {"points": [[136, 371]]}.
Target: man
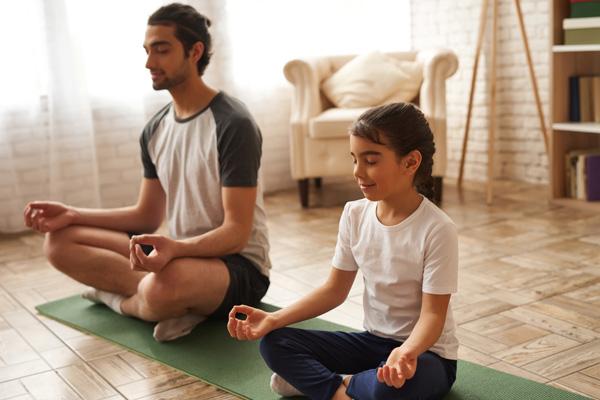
{"points": [[201, 155]]}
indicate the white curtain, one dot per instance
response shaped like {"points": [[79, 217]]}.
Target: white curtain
{"points": [[68, 61], [60, 61]]}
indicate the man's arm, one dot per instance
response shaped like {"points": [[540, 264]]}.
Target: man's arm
{"points": [[233, 235], [145, 216]]}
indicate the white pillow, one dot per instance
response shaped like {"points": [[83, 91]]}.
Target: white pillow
{"points": [[372, 79]]}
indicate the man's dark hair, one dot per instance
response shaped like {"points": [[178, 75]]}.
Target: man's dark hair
{"points": [[190, 27]]}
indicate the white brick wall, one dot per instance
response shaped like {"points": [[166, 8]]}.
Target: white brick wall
{"points": [[520, 152]]}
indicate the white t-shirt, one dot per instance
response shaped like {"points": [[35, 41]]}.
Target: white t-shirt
{"points": [[220, 146], [399, 263]]}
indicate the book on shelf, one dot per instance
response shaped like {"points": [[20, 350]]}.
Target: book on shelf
{"points": [[574, 99], [583, 174], [592, 168], [596, 97], [581, 23], [580, 175], [585, 9], [582, 30], [584, 98], [582, 36]]}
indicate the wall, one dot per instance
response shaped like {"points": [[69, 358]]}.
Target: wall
{"points": [[520, 151]]}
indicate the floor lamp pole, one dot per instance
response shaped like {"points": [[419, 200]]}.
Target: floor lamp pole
{"points": [[493, 90]]}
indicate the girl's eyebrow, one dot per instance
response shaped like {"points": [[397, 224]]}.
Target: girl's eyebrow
{"points": [[368, 153]]}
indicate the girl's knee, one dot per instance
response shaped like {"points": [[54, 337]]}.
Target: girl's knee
{"points": [[272, 346], [381, 391]]}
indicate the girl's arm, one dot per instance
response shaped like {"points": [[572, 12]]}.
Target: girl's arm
{"points": [[258, 323], [325, 298], [402, 361], [430, 325]]}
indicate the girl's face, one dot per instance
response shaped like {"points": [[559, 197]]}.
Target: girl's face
{"points": [[380, 174]]}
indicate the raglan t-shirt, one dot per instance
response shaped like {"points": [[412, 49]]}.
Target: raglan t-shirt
{"points": [[193, 158], [399, 263]]}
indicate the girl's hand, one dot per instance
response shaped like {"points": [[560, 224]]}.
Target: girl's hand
{"points": [[256, 325], [163, 252], [48, 216], [398, 368]]}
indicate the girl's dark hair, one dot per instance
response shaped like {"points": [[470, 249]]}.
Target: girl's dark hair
{"points": [[405, 129], [190, 27]]}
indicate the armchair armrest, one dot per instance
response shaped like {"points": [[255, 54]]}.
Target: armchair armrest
{"points": [[306, 76], [438, 65]]}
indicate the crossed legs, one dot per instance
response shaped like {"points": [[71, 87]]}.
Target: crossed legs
{"points": [[100, 258]]}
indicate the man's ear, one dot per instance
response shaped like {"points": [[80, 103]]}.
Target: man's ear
{"points": [[197, 51]]}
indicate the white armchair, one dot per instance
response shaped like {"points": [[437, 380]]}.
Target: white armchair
{"points": [[319, 131]]}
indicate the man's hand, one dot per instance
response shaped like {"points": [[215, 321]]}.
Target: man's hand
{"points": [[48, 216], [256, 325], [164, 251], [398, 368]]}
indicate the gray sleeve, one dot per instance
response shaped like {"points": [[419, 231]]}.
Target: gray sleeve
{"points": [[149, 167], [239, 144], [149, 130]]}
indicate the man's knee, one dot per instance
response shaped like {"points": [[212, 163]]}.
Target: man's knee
{"points": [[56, 244], [159, 295]]}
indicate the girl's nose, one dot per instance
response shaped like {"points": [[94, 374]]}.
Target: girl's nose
{"points": [[357, 171]]}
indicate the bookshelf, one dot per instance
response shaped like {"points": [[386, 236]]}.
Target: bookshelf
{"points": [[565, 61]]}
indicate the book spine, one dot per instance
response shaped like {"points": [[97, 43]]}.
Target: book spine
{"points": [[581, 23], [585, 9], [585, 98], [596, 98], [573, 175], [582, 36], [574, 99], [580, 171], [592, 168]]}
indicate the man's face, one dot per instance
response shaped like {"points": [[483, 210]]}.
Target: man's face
{"points": [[167, 62]]}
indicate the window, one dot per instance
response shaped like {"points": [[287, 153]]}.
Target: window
{"points": [[265, 34]]}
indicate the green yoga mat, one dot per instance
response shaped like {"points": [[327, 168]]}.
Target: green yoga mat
{"points": [[209, 354]]}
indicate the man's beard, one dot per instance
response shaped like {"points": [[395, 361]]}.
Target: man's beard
{"points": [[168, 83]]}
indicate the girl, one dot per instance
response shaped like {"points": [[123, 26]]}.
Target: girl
{"points": [[407, 250]]}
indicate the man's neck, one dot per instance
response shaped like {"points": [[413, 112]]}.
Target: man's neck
{"points": [[191, 96]]}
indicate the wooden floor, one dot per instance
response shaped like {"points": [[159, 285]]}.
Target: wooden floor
{"points": [[529, 300]]}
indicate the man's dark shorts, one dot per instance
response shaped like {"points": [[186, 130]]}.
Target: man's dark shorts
{"points": [[246, 284]]}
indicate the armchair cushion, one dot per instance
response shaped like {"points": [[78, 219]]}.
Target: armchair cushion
{"points": [[372, 79], [334, 122]]}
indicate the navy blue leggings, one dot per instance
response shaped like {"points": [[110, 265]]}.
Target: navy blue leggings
{"points": [[312, 361]]}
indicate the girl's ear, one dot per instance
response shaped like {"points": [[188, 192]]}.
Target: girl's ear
{"points": [[412, 161]]}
